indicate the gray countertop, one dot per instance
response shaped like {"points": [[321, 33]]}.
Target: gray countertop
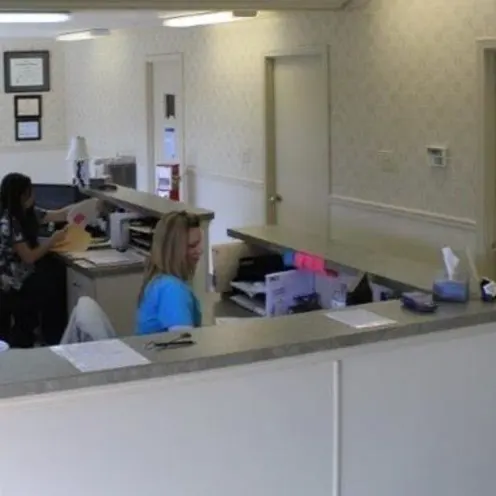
{"points": [[384, 266], [25, 372], [146, 203]]}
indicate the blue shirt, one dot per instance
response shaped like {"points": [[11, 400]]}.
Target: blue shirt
{"points": [[167, 302]]}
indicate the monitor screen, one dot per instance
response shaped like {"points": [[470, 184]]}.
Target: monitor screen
{"points": [[56, 196]]}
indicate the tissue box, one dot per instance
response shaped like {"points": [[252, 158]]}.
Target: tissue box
{"points": [[455, 291]]}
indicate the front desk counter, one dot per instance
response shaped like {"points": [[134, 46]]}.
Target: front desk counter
{"points": [[254, 339], [293, 405], [25, 372]]}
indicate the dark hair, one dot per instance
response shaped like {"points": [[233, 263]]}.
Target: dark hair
{"points": [[13, 188]]}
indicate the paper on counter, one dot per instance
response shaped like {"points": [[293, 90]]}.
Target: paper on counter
{"points": [[360, 319], [100, 355], [112, 257], [76, 240]]}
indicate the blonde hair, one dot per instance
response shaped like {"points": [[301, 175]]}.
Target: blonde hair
{"points": [[169, 251]]}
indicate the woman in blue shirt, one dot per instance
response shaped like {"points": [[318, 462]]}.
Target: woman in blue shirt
{"points": [[167, 301]]}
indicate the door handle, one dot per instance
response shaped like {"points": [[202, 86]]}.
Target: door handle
{"points": [[275, 198]]}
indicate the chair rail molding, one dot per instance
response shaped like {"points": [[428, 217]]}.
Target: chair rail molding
{"points": [[224, 178], [402, 212]]}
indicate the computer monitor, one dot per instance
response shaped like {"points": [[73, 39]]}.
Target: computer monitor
{"points": [[56, 196]]}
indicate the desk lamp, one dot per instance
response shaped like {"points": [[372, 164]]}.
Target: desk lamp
{"points": [[78, 155]]}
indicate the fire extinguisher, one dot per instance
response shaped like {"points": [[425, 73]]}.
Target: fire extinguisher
{"points": [[175, 182]]}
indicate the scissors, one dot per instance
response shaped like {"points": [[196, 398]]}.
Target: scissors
{"points": [[184, 339]]}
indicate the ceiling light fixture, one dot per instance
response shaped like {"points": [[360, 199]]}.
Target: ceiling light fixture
{"points": [[203, 19], [90, 34], [33, 17]]}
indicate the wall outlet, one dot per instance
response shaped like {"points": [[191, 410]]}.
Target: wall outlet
{"points": [[437, 156], [386, 161]]}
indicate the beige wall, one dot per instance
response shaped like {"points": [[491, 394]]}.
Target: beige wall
{"points": [[403, 77], [45, 160]]}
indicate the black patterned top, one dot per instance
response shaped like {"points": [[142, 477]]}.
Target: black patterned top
{"points": [[13, 271]]}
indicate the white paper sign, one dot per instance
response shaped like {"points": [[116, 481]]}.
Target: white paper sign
{"points": [[100, 355]]}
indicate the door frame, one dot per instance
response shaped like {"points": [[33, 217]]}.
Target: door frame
{"points": [[150, 118], [269, 61], [486, 159]]}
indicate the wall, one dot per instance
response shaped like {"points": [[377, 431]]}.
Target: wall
{"points": [[43, 161], [401, 80], [406, 417]]}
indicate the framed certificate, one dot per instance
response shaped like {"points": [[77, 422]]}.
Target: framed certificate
{"points": [[26, 72], [27, 106], [28, 130]]}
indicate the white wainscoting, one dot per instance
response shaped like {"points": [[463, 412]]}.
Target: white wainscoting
{"points": [[236, 202], [43, 164], [254, 430], [422, 226], [239, 202]]}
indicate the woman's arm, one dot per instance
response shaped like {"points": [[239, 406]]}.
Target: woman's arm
{"points": [[176, 307], [56, 215], [31, 255], [61, 214]]}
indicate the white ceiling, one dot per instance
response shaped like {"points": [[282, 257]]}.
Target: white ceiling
{"points": [[81, 21]]}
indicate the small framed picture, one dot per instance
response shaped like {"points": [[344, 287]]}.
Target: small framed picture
{"points": [[27, 106], [26, 72], [28, 129]]}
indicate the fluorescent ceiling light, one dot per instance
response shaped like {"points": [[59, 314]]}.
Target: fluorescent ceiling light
{"points": [[203, 19], [33, 17], [83, 35]]}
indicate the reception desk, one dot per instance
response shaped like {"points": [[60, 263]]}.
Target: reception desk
{"points": [[286, 406]]}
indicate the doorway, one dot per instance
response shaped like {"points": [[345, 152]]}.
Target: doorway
{"points": [[297, 112], [486, 180], [165, 116]]}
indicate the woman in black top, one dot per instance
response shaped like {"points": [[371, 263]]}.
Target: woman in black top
{"points": [[30, 282]]}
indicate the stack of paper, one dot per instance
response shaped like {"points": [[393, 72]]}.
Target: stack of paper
{"points": [[360, 319], [112, 257], [100, 355]]}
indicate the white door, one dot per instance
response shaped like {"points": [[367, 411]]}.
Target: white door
{"points": [[168, 104], [301, 146]]}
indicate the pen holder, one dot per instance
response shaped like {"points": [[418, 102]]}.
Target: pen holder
{"points": [[455, 290]]}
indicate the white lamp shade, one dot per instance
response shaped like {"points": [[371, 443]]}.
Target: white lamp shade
{"points": [[78, 150]]}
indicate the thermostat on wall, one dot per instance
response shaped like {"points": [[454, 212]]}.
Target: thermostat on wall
{"points": [[437, 156]]}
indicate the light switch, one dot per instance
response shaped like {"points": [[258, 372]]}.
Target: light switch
{"points": [[437, 156]]}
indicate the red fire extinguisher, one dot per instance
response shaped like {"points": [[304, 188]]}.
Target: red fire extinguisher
{"points": [[168, 181]]}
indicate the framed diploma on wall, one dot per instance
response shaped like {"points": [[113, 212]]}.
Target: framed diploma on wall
{"points": [[27, 106], [28, 130], [26, 72]]}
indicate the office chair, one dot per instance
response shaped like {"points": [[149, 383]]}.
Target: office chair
{"points": [[88, 322]]}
